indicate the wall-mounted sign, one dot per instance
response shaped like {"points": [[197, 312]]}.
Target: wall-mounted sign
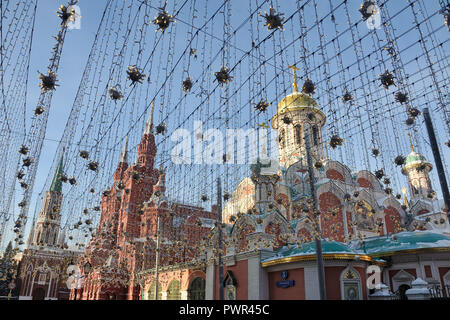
{"points": [[285, 283]]}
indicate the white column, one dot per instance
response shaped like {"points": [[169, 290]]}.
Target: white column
{"points": [[49, 285], [311, 283], [32, 285], [163, 295], [210, 277], [258, 282], [184, 294]]}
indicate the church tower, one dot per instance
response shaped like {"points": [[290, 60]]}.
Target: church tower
{"points": [[417, 170], [147, 147], [47, 232], [298, 114]]}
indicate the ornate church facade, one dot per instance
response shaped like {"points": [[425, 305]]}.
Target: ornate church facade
{"points": [[270, 224], [270, 253]]}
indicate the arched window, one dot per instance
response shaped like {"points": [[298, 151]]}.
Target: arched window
{"points": [[351, 285], [298, 134], [315, 131], [151, 292], [173, 292], [197, 289], [282, 138]]}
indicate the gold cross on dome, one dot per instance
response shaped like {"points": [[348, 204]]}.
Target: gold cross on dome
{"points": [[263, 125], [410, 142], [295, 85]]}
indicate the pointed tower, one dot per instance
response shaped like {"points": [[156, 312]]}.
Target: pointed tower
{"points": [[417, 170], [123, 163], [297, 114], [47, 229], [147, 147]]}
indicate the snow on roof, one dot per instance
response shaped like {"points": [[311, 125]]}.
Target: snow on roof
{"points": [[401, 242], [328, 247]]}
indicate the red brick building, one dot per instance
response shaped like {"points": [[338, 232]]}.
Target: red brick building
{"points": [[132, 211]]}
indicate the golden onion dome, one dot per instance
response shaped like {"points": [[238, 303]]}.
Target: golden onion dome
{"points": [[295, 100]]}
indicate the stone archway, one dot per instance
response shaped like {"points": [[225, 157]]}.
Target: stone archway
{"points": [[196, 289], [38, 294]]}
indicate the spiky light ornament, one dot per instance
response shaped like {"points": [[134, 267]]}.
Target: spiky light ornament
{"points": [[27, 162], [308, 87], [163, 20], [318, 164], [413, 112], [135, 75], [115, 94], [401, 97], [387, 79], [421, 168], [223, 76], [336, 141], [287, 120], [65, 14], [262, 106], [93, 166], [274, 20], [72, 181], [375, 152], [447, 143], [84, 154], [193, 53], [38, 111], [187, 84], [379, 174], [227, 196], [368, 9], [399, 160], [48, 82], [445, 11], [135, 175], [161, 129], [347, 97], [24, 150], [20, 175]]}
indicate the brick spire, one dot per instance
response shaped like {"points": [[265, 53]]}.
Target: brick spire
{"points": [[124, 155]]}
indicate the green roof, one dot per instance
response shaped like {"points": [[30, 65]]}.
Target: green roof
{"points": [[415, 157], [402, 241], [309, 248], [56, 182]]}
